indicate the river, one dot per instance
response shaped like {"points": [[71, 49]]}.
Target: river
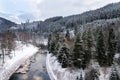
{"points": [[37, 70]]}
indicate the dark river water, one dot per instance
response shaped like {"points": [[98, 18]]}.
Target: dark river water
{"points": [[37, 70]]}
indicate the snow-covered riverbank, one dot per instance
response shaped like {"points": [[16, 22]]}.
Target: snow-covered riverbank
{"points": [[24, 67], [49, 69], [11, 65]]}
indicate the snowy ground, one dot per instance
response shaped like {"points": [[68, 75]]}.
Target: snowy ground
{"points": [[11, 65], [56, 72]]}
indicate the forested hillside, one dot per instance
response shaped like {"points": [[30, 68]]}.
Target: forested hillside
{"points": [[60, 23], [84, 46], [5, 24]]}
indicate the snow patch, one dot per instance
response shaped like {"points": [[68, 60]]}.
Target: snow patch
{"points": [[117, 55]]}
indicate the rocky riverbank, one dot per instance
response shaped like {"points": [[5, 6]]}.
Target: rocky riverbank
{"points": [[24, 68]]}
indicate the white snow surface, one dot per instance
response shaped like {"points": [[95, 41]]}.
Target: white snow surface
{"points": [[21, 55], [43, 41], [117, 55], [104, 73]]}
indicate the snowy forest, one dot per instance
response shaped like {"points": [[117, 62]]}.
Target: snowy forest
{"points": [[87, 50], [91, 46], [85, 46]]}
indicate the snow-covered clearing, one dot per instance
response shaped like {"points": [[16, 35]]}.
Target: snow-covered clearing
{"points": [[21, 54]]}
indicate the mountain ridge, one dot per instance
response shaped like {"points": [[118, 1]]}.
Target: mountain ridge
{"points": [[57, 23]]}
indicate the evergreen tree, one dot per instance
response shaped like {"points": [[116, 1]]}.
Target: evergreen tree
{"points": [[77, 78], [88, 44], [89, 41], [75, 29], [57, 43], [78, 53], [57, 36], [92, 75], [81, 78], [84, 38], [57, 47], [114, 75], [63, 56], [67, 35], [53, 43], [52, 47], [111, 46], [3, 47], [49, 42], [101, 49]]}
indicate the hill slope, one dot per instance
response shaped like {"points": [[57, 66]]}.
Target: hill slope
{"points": [[59, 23], [5, 24]]}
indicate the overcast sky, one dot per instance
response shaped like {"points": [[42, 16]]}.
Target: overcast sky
{"points": [[21, 10]]}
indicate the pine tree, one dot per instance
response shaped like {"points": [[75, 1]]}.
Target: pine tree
{"points": [[114, 75], [89, 41], [52, 47], [84, 38], [75, 29], [3, 47], [57, 47], [49, 42], [111, 46], [77, 78], [53, 43], [92, 75], [63, 56], [101, 49], [57, 36], [57, 43], [81, 78], [78, 53], [88, 44], [67, 35]]}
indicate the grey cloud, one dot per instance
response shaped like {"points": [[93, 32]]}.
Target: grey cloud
{"points": [[22, 10], [50, 8]]}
